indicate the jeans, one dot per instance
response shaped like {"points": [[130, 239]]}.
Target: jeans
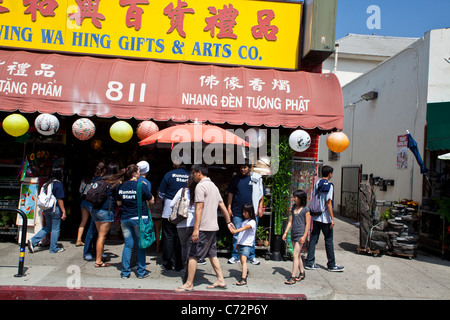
{"points": [[237, 221], [52, 224], [314, 239], [130, 229], [90, 240]]}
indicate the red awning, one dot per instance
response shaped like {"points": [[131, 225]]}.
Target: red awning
{"points": [[89, 86]]}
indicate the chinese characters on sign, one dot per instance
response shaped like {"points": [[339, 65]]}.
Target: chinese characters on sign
{"points": [[134, 13], [88, 9], [238, 101], [224, 19], [13, 84], [402, 152], [45, 7], [236, 32], [2, 8], [176, 16]]}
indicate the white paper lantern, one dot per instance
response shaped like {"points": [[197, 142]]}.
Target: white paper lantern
{"points": [[46, 124], [299, 140]]}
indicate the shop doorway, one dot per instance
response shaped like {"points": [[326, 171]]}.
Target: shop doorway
{"points": [[351, 178]]}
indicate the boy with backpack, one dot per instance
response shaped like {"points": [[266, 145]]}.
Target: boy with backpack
{"points": [[324, 222], [51, 201]]}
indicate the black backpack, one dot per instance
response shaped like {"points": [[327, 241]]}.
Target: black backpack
{"points": [[98, 193]]}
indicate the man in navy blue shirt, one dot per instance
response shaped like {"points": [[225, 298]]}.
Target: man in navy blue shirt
{"points": [[173, 181], [246, 187]]}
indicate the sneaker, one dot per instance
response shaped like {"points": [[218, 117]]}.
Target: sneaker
{"points": [[88, 257], [336, 268], [313, 267], [145, 275], [30, 247], [60, 250], [255, 262], [232, 260], [201, 262], [124, 276]]}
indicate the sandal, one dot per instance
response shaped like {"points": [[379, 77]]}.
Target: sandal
{"points": [[292, 280], [300, 277], [243, 282], [102, 265], [79, 244]]}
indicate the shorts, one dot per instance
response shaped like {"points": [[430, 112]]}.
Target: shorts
{"points": [[102, 215], [244, 250], [86, 205], [205, 247]]}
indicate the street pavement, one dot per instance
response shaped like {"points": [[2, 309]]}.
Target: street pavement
{"points": [[67, 276]]}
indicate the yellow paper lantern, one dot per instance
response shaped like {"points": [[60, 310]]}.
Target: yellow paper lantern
{"points": [[121, 131], [337, 142], [16, 125]]}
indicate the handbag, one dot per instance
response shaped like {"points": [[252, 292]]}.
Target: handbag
{"points": [[180, 211], [146, 231]]}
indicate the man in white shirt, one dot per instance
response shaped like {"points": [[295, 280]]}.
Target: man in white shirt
{"points": [[324, 223]]}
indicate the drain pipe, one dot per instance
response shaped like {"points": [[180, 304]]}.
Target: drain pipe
{"points": [[336, 51]]}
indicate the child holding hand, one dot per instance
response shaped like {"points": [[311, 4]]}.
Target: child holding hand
{"points": [[246, 239], [300, 221]]}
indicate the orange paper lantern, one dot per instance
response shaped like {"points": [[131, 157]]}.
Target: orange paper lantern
{"points": [[146, 129], [337, 142]]}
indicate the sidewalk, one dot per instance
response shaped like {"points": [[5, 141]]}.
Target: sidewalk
{"points": [[365, 277]]}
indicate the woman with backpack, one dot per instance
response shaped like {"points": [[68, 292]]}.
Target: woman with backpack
{"points": [[86, 206], [103, 213], [53, 215]]}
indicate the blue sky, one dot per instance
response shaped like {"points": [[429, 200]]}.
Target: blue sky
{"points": [[402, 18]]}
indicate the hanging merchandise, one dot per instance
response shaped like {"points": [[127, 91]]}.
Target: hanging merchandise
{"points": [[337, 141], [121, 131], [83, 129], [15, 125], [146, 129], [299, 140], [46, 124]]}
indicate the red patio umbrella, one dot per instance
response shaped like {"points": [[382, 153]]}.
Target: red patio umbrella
{"points": [[194, 132]]}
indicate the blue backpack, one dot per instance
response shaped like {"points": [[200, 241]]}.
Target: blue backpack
{"points": [[315, 208]]}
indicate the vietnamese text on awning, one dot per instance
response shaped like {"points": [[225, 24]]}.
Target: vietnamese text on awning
{"points": [[88, 86]]}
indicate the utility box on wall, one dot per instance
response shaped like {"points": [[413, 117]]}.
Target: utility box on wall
{"points": [[319, 30]]}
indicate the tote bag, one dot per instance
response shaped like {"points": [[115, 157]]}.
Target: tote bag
{"points": [[146, 231], [180, 211]]}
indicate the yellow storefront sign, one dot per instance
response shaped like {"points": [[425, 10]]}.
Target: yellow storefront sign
{"points": [[233, 32]]}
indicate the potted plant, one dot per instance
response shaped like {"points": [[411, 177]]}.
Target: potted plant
{"points": [[444, 208], [280, 193], [260, 236], [266, 239]]}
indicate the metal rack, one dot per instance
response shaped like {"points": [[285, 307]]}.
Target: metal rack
{"points": [[11, 187]]}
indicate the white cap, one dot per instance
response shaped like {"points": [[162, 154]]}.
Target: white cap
{"points": [[144, 167]]}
